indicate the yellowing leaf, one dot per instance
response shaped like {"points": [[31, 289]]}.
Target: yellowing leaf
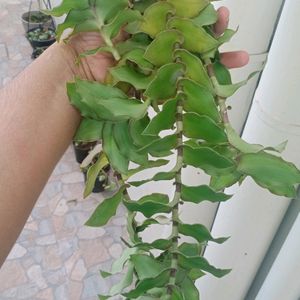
{"points": [[163, 44], [188, 8], [196, 39], [155, 18]]}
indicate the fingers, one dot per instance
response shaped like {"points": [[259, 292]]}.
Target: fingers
{"points": [[223, 19], [236, 59]]}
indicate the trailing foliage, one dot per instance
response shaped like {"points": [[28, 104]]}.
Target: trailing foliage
{"points": [[169, 64]]}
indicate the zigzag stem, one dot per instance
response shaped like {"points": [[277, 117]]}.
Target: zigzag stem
{"points": [[221, 101], [178, 185]]}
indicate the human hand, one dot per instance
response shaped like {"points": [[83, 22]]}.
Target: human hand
{"points": [[235, 59], [95, 67]]}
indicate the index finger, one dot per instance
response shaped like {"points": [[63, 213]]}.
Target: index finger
{"points": [[223, 19]]}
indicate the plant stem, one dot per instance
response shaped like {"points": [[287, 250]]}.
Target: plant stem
{"points": [[110, 44], [176, 200]]}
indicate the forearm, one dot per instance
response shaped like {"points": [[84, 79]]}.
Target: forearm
{"points": [[36, 126]]}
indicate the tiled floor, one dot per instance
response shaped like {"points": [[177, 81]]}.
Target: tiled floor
{"points": [[56, 256]]}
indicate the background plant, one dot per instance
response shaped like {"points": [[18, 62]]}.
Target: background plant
{"points": [[166, 95]]}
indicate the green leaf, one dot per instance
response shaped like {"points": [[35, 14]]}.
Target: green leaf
{"points": [[161, 146], [126, 16], [208, 16], [195, 274], [160, 244], [165, 119], [199, 232], [158, 177], [143, 5], [118, 161], [190, 292], [129, 75], [129, 45], [124, 283], [175, 294], [149, 283], [95, 51], [105, 210], [149, 205], [66, 6], [226, 36], [189, 249], [118, 265], [195, 69], [92, 174], [163, 85], [226, 91], [155, 18], [236, 141], [199, 100], [207, 159], [146, 224], [222, 74], [197, 194], [131, 227], [137, 56], [201, 263], [202, 127], [137, 128], [125, 144], [146, 266], [164, 44], [89, 131], [150, 164], [188, 8], [222, 181], [74, 19], [102, 102], [196, 39], [271, 172], [92, 18]]}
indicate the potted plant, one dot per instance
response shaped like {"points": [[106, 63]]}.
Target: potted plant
{"points": [[41, 37], [36, 19], [171, 61], [95, 167]]}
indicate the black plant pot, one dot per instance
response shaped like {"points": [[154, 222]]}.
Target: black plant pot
{"points": [[82, 151], [99, 184], [40, 44], [29, 25]]}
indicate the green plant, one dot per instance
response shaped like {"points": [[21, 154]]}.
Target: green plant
{"points": [[41, 34], [169, 66], [37, 17]]}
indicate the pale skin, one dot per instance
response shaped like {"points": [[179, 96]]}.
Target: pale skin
{"points": [[37, 123]]}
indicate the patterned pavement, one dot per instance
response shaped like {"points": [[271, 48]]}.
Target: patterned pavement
{"points": [[56, 256]]}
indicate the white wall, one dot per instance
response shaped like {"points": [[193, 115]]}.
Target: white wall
{"points": [[282, 281], [253, 215]]}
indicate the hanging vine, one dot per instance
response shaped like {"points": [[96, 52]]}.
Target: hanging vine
{"points": [[165, 96]]}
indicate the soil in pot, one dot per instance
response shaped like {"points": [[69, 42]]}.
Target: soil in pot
{"points": [[35, 19], [41, 37], [82, 150]]}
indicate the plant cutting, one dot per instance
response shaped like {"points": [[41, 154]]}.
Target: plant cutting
{"points": [[164, 101]]}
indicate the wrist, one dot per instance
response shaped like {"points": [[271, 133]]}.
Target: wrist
{"points": [[68, 57]]}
